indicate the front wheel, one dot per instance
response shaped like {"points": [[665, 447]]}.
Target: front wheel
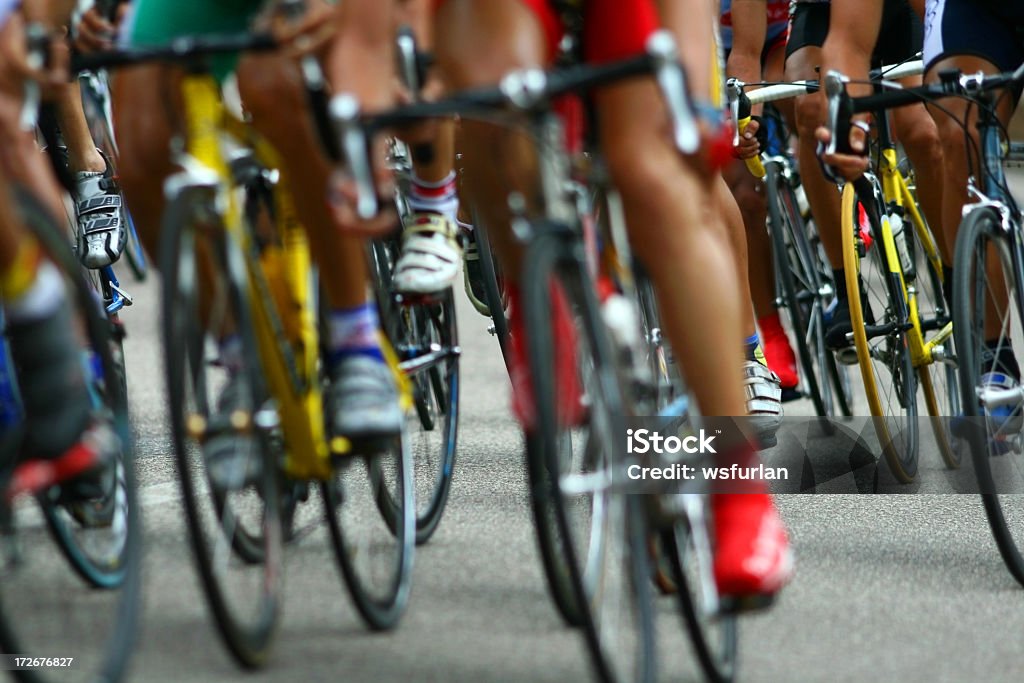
{"points": [[878, 313], [986, 313]]}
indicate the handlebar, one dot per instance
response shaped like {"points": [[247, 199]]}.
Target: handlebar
{"points": [[181, 50], [524, 91]]}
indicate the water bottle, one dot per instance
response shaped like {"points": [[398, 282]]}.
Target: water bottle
{"points": [[900, 237]]}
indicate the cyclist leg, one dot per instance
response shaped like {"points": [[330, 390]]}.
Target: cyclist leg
{"points": [[683, 243], [431, 250], [36, 310], [96, 195], [973, 37]]}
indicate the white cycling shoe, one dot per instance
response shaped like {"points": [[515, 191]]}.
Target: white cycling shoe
{"points": [[430, 256], [764, 402]]}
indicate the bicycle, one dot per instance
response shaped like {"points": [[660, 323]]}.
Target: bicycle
{"points": [[805, 286], [248, 276], [591, 527], [79, 592], [902, 326]]}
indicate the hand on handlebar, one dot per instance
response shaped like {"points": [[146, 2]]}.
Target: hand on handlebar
{"points": [[847, 163], [95, 33], [308, 33], [344, 197]]}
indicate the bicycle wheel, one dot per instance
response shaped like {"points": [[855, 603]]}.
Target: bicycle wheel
{"points": [[940, 386], [77, 597], [424, 334], [987, 322], [687, 545], [878, 311], [801, 287], [236, 532], [374, 551], [839, 378], [599, 539]]}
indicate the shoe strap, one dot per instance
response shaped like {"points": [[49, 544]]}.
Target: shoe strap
{"points": [[101, 224], [103, 202], [433, 224]]}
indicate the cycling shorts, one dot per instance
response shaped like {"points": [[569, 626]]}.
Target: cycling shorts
{"points": [[158, 22], [900, 38], [612, 29], [993, 31]]}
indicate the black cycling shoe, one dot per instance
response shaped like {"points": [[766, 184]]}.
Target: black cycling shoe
{"points": [[837, 333]]}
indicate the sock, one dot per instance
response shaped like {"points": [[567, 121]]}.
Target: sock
{"points": [[232, 356], [752, 349], [438, 197], [42, 296], [353, 332], [998, 356]]}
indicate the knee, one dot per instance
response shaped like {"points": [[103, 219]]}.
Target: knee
{"points": [[922, 141]]}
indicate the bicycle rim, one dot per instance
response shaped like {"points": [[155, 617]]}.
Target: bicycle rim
{"points": [[888, 376]]}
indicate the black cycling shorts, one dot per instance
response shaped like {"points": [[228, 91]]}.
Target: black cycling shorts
{"points": [[901, 36], [989, 29]]}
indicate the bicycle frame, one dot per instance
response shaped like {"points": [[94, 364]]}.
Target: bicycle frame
{"points": [[287, 336], [896, 194]]}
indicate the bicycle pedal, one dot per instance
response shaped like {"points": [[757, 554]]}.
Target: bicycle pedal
{"points": [[128, 300]]}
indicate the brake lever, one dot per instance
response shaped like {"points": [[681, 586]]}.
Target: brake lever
{"points": [[408, 61], [355, 150], [840, 112], [671, 78]]}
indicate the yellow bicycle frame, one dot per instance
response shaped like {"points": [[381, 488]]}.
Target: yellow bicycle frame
{"points": [[276, 273], [895, 189]]}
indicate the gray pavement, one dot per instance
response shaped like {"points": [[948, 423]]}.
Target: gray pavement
{"points": [[888, 587]]}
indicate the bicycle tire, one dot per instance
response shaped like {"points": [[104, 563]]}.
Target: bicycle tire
{"points": [[415, 329], [189, 247], [792, 255], [901, 455], [979, 229], [122, 580], [615, 555], [381, 604], [493, 289], [717, 660]]}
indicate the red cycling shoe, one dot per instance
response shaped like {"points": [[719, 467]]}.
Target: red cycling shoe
{"points": [[571, 410], [753, 560]]}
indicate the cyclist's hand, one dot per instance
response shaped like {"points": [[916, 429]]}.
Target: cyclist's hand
{"points": [[95, 33], [309, 34], [750, 143], [343, 198], [848, 166]]}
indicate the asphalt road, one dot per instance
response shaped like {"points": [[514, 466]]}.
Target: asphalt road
{"points": [[888, 587]]}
